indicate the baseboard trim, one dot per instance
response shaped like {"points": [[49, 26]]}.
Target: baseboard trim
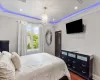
{"points": [[95, 77]]}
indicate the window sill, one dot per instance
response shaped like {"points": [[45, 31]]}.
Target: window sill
{"points": [[33, 51]]}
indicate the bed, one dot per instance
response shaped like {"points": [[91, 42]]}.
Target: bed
{"points": [[42, 66]]}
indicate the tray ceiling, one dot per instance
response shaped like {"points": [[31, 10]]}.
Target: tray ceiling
{"points": [[56, 9]]}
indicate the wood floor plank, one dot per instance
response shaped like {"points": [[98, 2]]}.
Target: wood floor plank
{"points": [[75, 77]]}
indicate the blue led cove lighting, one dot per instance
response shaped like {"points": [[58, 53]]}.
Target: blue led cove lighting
{"points": [[76, 13], [12, 12], [55, 22]]}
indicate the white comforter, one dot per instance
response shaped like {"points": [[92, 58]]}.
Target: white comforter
{"points": [[42, 66]]}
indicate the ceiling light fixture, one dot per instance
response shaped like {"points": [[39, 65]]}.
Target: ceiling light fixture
{"points": [[21, 9], [75, 7], [44, 17], [53, 19]]}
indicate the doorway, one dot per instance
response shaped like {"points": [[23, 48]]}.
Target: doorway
{"points": [[58, 35]]}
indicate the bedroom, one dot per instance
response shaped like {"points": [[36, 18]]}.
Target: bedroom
{"points": [[16, 14]]}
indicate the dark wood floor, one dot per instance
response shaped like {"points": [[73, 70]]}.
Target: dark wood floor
{"points": [[75, 77], [64, 78]]}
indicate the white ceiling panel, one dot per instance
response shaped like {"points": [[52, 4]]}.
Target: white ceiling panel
{"points": [[56, 9]]}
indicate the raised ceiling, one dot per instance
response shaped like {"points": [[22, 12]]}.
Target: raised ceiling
{"points": [[56, 9]]}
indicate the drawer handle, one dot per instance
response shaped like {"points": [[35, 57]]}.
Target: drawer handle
{"points": [[68, 65], [62, 57], [74, 62], [73, 67], [83, 65], [68, 59], [83, 72]]}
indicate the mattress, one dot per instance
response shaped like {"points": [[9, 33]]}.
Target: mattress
{"points": [[42, 66]]}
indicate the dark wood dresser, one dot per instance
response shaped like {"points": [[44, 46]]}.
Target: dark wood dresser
{"points": [[78, 63]]}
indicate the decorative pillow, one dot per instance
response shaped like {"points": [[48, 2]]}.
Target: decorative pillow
{"points": [[7, 53], [7, 69], [16, 60]]}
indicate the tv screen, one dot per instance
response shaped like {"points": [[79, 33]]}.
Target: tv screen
{"points": [[75, 27]]}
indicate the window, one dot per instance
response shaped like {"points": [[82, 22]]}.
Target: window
{"points": [[32, 37]]}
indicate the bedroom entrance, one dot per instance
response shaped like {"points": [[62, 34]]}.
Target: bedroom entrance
{"points": [[58, 43]]}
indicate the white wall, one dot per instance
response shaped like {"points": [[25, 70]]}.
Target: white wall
{"points": [[51, 48], [88, 42], [48, 49], [8, 31]]}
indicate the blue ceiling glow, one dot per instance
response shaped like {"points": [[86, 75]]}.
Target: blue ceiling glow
{"points": [[1, 7], [76, 13], [12, 12], [52, 22]]}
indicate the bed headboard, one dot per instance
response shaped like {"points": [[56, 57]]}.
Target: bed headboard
{"points": [[4, 45]]}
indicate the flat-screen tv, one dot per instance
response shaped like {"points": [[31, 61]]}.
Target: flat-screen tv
{"points": [[75, 27]]}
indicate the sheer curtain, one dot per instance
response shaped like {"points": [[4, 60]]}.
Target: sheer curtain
{"points": [[22, 38], [42, 38]]}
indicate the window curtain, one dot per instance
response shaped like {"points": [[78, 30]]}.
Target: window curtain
{"points": [[22, 38], [42, 38]]}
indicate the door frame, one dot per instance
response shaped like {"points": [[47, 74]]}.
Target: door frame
{"points": [[60, 41]]}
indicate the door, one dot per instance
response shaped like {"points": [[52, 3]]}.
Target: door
{"points": [[58, 43]]}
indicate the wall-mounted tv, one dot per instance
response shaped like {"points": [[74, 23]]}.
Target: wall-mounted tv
{"points": [[75, 27]]}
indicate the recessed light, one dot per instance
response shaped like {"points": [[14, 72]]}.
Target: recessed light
{"points": [[21, 9], [75, 7], [53, 19]]}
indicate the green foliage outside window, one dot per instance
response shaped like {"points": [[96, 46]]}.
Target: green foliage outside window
{"points": [[28, 46], [34, 41]]}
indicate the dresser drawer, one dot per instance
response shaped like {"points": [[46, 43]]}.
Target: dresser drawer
{"points": [[81, 64], [71, 62], [63, 57]]}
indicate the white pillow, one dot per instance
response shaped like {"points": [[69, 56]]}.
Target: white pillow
{"points": [[7, 70], [16, 60], [7, 53]]}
